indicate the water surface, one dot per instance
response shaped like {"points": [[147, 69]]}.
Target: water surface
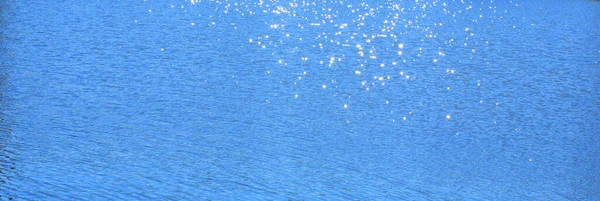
{"points": [[323, 100]]}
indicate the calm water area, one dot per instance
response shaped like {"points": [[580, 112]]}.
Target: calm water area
{"points": [[300, 100]]}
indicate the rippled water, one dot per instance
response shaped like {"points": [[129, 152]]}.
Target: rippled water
{"points": [[313, 100]]}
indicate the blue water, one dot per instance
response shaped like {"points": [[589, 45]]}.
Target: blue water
{"points": [[316, 100]]}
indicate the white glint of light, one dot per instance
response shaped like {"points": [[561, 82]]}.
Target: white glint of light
{"points": [[448, 116], [360, 30]]}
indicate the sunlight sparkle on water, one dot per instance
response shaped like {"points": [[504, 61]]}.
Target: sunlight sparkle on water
{"points": [[362, 46]]}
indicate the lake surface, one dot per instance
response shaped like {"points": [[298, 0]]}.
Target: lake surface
{"points": [[300, 100]]}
